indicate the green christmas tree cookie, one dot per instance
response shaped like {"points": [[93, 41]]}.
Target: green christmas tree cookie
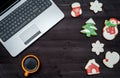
{"points": [[89, 29]]}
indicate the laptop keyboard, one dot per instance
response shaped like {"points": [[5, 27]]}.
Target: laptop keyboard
{"points": [[21, 16]]}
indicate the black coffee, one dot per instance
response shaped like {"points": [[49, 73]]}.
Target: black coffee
{"points": [[30, 63]]}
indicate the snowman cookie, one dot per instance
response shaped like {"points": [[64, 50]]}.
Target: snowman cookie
{"points": [[111, 58], [76, 9], [110, 29]]}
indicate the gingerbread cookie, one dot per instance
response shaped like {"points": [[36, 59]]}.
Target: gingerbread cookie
{"points": [[92, 67]]}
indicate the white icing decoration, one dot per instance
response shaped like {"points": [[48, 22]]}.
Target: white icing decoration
{"points": [[97, 47], [111, 58], [96, 6]]}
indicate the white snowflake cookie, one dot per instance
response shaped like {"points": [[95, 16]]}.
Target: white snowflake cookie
{"points": [[96, 6], [97, 47]]}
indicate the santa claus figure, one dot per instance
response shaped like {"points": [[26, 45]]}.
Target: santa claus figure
{"points": [[110, 30], [76, 9]]}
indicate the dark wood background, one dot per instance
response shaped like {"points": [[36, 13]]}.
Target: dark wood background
{"points": [[63, 50]]}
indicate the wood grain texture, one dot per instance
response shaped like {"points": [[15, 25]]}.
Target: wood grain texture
{"points": [[63, 50]]}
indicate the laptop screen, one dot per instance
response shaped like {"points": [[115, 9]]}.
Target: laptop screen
{"points": [[6, 4]]}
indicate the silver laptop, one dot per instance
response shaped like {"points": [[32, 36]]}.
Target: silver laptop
{"points": [[24, 21]]}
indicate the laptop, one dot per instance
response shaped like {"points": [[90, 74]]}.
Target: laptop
{"points": [[24, 21]]}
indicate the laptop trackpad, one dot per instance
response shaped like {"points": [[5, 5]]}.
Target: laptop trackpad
{"points": [[28, 35]]}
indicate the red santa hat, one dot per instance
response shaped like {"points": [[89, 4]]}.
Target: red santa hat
{"points": [[116, 20]]}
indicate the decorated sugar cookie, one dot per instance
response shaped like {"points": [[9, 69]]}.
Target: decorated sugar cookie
{"points": [[111, 58], [97, 47], [89, 28], [110, 29], [92, 67], [76, 9], [96, 6]]}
